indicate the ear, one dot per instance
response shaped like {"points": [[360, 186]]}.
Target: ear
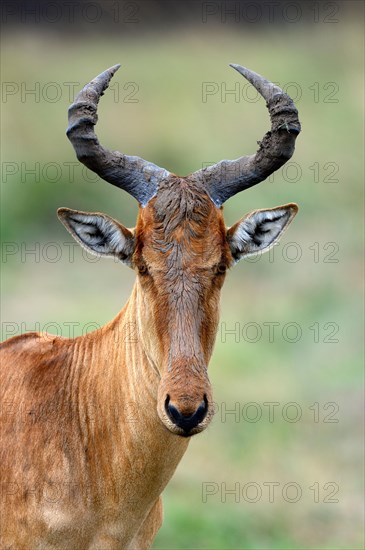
{"points": [[259, 230], [99, 234]]}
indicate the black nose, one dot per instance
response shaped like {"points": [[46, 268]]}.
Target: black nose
{"points": [[183, 421]]}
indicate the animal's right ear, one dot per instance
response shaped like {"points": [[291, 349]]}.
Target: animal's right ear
{"points": [[99, 234]]}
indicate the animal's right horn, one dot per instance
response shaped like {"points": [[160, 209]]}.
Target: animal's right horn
{"points": [[133, 174]]}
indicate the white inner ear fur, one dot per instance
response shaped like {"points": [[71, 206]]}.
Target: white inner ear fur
{"points": [[99, 234], [259, 231]]}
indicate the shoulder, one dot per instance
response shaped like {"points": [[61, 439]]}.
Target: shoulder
{"points": [[32, 341]]}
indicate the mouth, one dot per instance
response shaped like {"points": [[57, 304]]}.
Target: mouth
{"points": [[184, 433]]}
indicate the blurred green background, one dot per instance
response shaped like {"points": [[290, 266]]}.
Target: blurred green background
{"points": [[295, 316]]}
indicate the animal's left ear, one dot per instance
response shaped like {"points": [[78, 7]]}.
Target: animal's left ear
{"points": [[259, 230]]}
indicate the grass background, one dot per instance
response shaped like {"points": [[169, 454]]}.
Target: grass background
{"points": [[321, 292]]}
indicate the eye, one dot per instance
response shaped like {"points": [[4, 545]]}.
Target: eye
{"points": [[142, 269], [221, 269]]}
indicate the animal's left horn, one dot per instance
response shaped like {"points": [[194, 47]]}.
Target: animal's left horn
{"points": [[133, 174], [228, 177]]}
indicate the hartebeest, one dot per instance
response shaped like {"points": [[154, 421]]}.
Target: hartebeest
{"points": [[79, 471]]}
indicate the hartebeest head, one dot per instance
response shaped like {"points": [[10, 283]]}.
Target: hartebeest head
{"points": [[180, 247]]}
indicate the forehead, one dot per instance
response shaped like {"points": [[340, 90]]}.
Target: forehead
{"points": [[181, 216]]}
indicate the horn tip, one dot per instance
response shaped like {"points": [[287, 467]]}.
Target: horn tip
{"points": [[238, 68], [114, 68], [242, 70]]}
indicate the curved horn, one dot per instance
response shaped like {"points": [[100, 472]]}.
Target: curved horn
{"points": [[133, 174], [228, 177]]}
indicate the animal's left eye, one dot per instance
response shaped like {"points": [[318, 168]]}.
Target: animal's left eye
{"points": [[142, 269], [221, 268]]}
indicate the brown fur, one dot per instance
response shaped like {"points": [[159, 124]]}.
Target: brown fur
{"points": [[85, 455], [89, 438]]}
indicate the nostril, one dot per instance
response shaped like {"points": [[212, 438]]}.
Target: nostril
{"points": [[186, 421], [202, 410], [172, 411]]}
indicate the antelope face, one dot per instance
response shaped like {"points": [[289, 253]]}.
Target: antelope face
{"points": [[180, 248], [181, 259]]}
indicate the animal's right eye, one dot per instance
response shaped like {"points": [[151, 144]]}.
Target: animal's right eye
{"points": [[142, 269]]}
